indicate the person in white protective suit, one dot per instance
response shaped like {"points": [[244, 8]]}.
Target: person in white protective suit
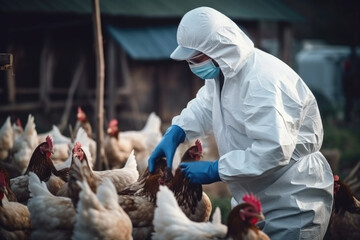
{"points": [[266, 123]]}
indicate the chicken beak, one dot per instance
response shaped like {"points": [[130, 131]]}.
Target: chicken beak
{"points": [[109, 130], [261, 217]]}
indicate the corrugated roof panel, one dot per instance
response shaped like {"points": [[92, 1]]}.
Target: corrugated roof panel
{"points": [[150, 43], [272, 10]]}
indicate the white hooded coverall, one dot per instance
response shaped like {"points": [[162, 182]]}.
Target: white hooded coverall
{"points": [[267, 127]]}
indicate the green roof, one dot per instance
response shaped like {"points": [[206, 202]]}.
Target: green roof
{"points": [[271, 10], [147, 43]]}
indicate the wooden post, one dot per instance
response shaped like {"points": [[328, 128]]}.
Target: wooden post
{"points": [[6, 63], [100, 73]]}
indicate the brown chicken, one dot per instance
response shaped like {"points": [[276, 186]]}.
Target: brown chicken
{"points": [[345, 217], [139, 199], [41, 164], [10, 195], [14, 216], [243, 218], [190, 196]]}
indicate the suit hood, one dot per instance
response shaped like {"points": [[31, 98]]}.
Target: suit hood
{"points": [[211, 32]]}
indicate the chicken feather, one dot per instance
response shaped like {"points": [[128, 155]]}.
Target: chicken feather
{"points": [[52, 217], [25, 145], [100, 216], [14, 216], [119, 143], [170, 222], [6, 139]]}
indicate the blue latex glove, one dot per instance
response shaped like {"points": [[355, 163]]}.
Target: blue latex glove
{"points": [[173, 136], [201, 172]]}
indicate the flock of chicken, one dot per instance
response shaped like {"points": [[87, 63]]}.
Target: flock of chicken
{"points": [[48, 189]]}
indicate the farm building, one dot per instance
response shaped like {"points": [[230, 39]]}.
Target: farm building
{"points": [[53, 60]]}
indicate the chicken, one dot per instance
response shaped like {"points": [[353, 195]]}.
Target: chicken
{"points": [[82, 121], [10, 195], [14, 216], [17, 128], [85, 141], [143, 142], [58, 138], [52, 217], [242, 220], [41, 164], [119, 177], [62, 144], [345, 217], [352, 180], [116, 149], [138, 200], [100, 216], [170, 222], [192, 200], [6, 139], [25, 145]]}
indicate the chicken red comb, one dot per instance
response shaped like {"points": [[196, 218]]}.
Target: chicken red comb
{"points": [[113, 123], [77, 146], [336, 178], [252, 199], [49, 141], [18, 122], [198, 145]]}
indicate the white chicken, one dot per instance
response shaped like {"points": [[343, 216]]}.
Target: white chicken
{"points": [[121, 178], [57, 136], [143, 141], [170, 222], [100, 216], [116, 149], [83, 122], [81, 137], [52, 217], [25, 145], [17, 128], [6, 139]]}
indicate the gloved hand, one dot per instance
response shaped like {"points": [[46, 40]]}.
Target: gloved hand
{"points": [[173, 136], [201, 172]]}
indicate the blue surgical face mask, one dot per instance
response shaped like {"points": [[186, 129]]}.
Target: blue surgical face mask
{"points": [[205, 70]]}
